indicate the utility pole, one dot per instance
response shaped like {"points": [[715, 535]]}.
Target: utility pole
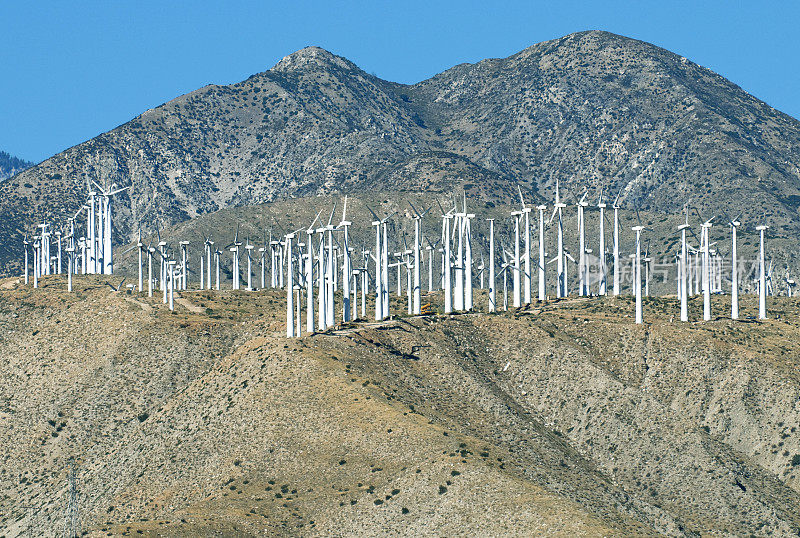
{"points": [[72, 521]]}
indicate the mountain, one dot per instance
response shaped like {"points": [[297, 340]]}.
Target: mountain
{"points": [[10, 165], [593, 109]]}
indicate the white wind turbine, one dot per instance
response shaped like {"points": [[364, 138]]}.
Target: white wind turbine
{"points": [[262, 259], [542, 262], [309, 280], [762, 284], [290, 316], [25, 244], [234, 250], [58, 267], [330, 272], [217, 259], [140, 251], [417, 299], [448, 292], [481, 267], [171, 282], [517, 269], [381, 259], [150, 251], [322, 294], [583, 284], [706, 269], [602, 249], [184, 260], [208, 245], [526, 275], [249, 249], [347, 266], [273, 255], [492, 279], [682, 290], [734, 224], [561, 290], [468, 303], [637, 273], [108, 255], [70, 255], [617, 264], [36, 261]]}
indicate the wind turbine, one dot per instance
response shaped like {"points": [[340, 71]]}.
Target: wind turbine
{"points": [[706, 269], [150, 251], [583, 284], [310, 276], [249, 248], [184, 259], [208, 244], [637, 273], [108, 255], [70, 255], [762, 289], [468, 304], [492, 281], [561, 290], [139, 247], [330, 273], [262, 260], [290, 316], [448, 292], [417, 307], [602, 250], [542, 281], [516, 276], [346, 265], [617, 265], [381, 259], [25, 244], [234, 250], [526, 212], [734, 224], [682, 290]]}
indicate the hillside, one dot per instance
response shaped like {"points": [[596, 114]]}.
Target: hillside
{"points": [[10, 165], [575, 422], [593, 109]]}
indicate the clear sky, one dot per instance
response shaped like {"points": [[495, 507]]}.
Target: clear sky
{"points": [[68, 73]]}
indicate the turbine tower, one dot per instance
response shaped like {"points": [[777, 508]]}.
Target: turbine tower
{"points": [[682, 290], [762, 284], [290, 332], [617, 266], [561, 290], [516, 276], [734, 224], [347, 269], [602, 250], [542, 256], [637, 274], [526, 275], [492, 280]]}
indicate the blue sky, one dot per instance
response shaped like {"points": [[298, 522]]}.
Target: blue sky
{"points": [[70, 73]]}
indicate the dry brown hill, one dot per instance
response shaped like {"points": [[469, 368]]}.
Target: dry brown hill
{"points": [[561, 420]]}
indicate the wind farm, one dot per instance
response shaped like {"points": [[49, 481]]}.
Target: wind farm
{"points": [[453, 345]]}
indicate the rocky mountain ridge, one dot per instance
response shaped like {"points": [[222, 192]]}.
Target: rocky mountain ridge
{"points": [[594, 109]]}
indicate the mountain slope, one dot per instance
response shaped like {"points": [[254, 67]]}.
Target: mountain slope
{"points": [[596, 109], [567, 419], [593, 109], [10, 165]]}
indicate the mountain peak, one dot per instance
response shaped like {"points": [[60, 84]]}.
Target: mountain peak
{"points": [[310, 58]]}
